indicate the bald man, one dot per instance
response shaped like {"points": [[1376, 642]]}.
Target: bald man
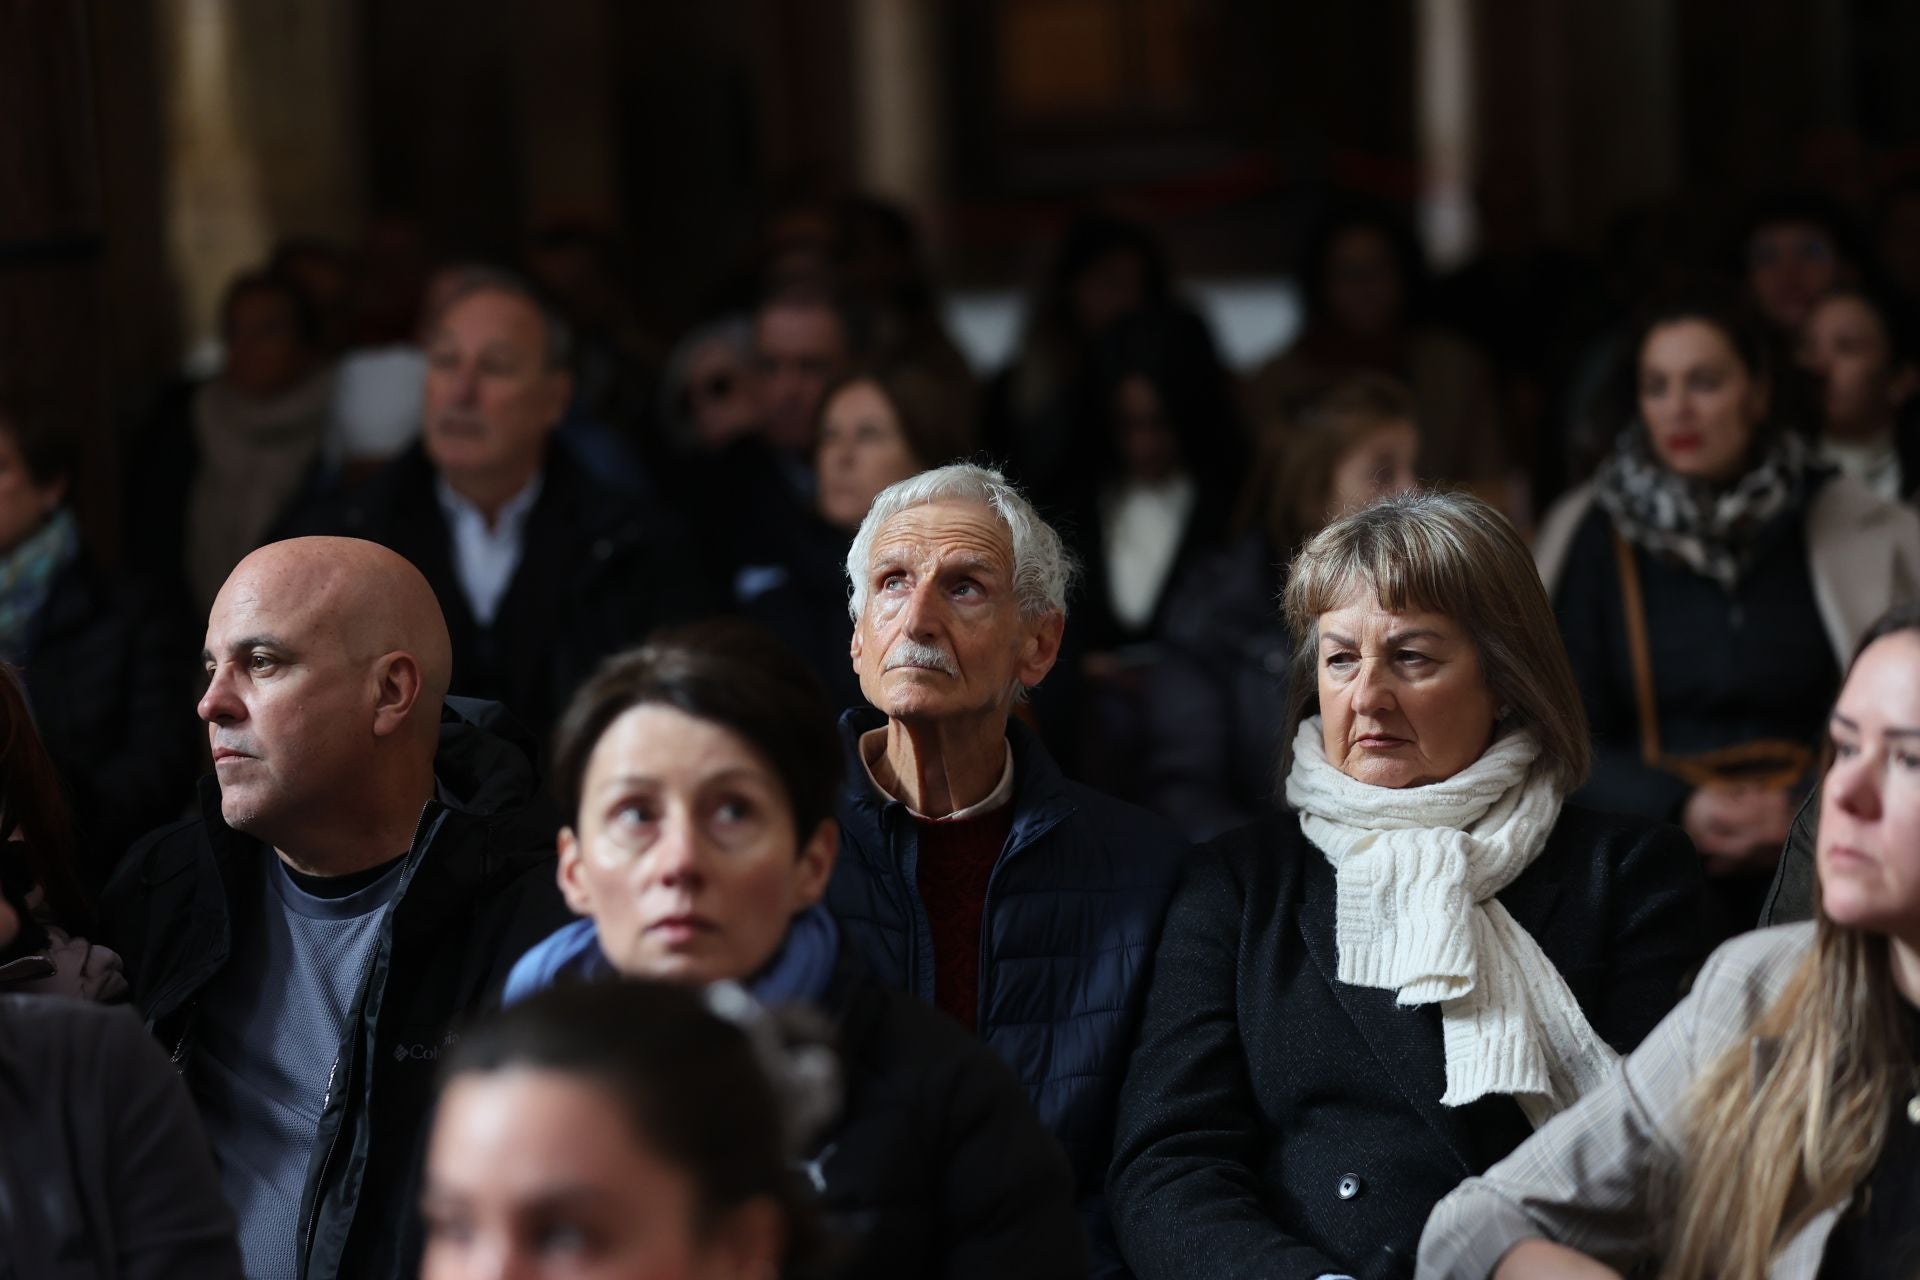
{"points": [[308, 943]]}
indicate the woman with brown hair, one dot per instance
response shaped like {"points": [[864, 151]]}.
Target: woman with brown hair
{"points": [[1216, 705], [1357, 1003], [1770, 1127]]}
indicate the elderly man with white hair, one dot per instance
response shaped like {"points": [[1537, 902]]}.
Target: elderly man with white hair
{"points": [[971, 872]]}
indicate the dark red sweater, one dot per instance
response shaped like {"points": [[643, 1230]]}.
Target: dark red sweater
{"points": [[956, 861]]}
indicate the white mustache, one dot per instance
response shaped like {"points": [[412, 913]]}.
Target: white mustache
{"points": [[911, 653]]}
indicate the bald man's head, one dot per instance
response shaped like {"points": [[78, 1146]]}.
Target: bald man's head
{"points": [[327, 662]]}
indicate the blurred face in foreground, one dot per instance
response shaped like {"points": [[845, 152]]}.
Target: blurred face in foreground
{"points": [[540, 1175]]}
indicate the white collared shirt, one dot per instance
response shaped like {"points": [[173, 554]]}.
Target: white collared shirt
{"points": [[873, 744], [484, 557]]}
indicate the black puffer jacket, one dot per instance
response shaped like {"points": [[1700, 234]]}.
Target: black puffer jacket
{"points": [[477, 889], [939, 1167], [1073, 908], [109, 673], [104, 1172]]}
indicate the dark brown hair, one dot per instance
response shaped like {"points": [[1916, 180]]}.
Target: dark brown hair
{"points": [[932, 418], [1312, 430], [729, 672], [691, 1085]]}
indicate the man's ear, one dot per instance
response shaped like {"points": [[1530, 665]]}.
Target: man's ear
{"points": [[817, 857], [397, 686], [573, 885], [854, 649], [1040, 649]]}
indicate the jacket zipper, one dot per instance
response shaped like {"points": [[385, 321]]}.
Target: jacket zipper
{"points": [[346, 1080]]}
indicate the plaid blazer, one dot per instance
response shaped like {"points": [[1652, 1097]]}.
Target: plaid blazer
{"points": [[1588, 1179]]}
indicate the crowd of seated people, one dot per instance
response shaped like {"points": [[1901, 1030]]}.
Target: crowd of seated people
{"points": [[764, 802]]}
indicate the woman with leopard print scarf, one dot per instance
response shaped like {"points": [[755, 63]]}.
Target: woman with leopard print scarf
{"points": [[1709, 581]]}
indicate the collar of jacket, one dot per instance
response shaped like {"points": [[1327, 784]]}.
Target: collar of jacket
{"points": [[1041, 796]]}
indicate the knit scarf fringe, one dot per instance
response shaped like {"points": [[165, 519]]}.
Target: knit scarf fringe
{"points": [[1415, 874]]}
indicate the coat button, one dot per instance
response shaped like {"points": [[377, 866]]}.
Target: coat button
{"points": [[1351, 1186]]}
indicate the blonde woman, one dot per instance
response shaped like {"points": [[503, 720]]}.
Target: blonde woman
{"points": [[1770, 1127], [1355, 1004]]}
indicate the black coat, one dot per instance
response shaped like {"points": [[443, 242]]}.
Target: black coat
{"points": [[109, 673], [104, 1172], [1727, 668], [1279, 1123], [476, 891], [1073, 907], [1216, 703], [597, 572], [939, 1167]]}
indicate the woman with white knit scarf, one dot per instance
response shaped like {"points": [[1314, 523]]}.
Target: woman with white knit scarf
{"points": [[1360, 1001]]}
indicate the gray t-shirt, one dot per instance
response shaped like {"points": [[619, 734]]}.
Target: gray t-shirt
{"points": [[270, 1028]]}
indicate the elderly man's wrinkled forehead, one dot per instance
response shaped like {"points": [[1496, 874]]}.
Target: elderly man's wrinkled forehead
{"points": [[946, 532]]}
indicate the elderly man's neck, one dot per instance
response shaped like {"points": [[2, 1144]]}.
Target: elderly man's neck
{"points": [[356, 841], [942, 766]]}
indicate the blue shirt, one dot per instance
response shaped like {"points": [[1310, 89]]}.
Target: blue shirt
{"points": [[268, 1039], [800, 971]]}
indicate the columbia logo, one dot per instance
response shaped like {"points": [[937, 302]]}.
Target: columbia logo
{"points": [[416, 1052]]}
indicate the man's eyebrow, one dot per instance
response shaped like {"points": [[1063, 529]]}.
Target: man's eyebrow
{"points": [[247, 644]]}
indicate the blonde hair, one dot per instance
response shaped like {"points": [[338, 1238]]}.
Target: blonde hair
{"points": [[1771, 1144], [1453, 554]]}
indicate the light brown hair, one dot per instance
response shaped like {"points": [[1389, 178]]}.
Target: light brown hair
{"points": [[1446, 553], [1301, 446], [1773, 1143]]}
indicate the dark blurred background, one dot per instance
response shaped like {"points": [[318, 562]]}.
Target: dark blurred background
{"points": [[150, 149]]}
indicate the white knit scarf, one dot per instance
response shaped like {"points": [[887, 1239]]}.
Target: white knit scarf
{"points": [[1416, 870]]}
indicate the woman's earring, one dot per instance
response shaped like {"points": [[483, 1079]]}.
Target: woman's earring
{"points": [[1506, 709]]}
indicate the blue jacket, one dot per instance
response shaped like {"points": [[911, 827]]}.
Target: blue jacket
{"points": [[1072, 915]]}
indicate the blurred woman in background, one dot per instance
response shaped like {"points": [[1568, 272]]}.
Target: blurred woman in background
{"points": [[1364, 279], [1217, 703], [1859, 346], [1709, 582]]}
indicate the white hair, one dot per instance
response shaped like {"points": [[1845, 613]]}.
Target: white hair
{"points": [[1042, 566]]}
